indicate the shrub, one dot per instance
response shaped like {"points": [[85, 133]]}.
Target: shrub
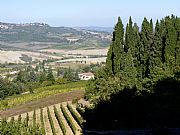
{"points": [[47, 83]]}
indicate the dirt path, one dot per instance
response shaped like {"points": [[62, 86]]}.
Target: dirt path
{"points": [[62, 97]]}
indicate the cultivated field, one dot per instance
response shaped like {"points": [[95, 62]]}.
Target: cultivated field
{"points": [[57, 119], [85, 52], [83, 60], [14, 56], [43, 93]]}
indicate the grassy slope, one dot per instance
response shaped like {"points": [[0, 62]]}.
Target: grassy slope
{"points": [[41, 93]]}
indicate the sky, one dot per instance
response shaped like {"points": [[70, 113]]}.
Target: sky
{"points": [[81, 13]]}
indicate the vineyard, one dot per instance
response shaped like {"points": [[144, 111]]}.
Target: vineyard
{"points": [[58, 119], [41, 93]]}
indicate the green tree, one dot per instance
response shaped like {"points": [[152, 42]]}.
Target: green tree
{"points": [[50, 76], [32, 76], [155, 58], [147, 40], [42, 77], [151, 26], [129, 73], [68, 75], [22, 76], [177, 55], [129, 36], [171, 41], [115, 54]]}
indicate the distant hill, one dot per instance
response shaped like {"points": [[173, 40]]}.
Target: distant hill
{"points": [[35, 35], [97, 29]]}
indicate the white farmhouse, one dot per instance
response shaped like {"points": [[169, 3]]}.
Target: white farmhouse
{"points": [[86, 76]]}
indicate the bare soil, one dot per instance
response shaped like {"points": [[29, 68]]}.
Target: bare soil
{"points": [[59, 98]]}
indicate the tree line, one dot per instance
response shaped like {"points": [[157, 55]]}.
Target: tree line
{"points": [[139, 57], [139, 86], [26, 80]]}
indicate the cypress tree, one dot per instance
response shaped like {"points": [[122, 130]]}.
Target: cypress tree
{"points": [[177, 53], [110, 61], [156, 64], [126, 47], [136, 50], [50, 76], [129, 36], [118, 48], [129, 72], [115, 54], [151, 26], [156, 48], [163, 35], [170, 44], [145, 48]]}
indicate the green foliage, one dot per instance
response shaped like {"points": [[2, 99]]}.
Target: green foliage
{"points": [[60, 121], [42, 77], [8, 88], [42, 121], [115, 55], [69, 121], [50, 76], [18, 128], [134, 109], [61, 81], [42, 92], [46, 83], [51, 121], [71, 75], [138, 58], [75, 115]]}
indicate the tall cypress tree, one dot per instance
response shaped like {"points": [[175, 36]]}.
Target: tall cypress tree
{"points": [[129, 36], [115, 54], [151, 26], [170, 43], [177, 53], [126, 47], [110, 60], [136, 50], [156, 48], [145, 48], [129, 73], [163, 35], [156, 64]]}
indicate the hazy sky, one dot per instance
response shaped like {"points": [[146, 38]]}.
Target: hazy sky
{"points": [[85, 12]]}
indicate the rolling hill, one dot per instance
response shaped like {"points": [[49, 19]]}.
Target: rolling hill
{"points": [[36, 36]]}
